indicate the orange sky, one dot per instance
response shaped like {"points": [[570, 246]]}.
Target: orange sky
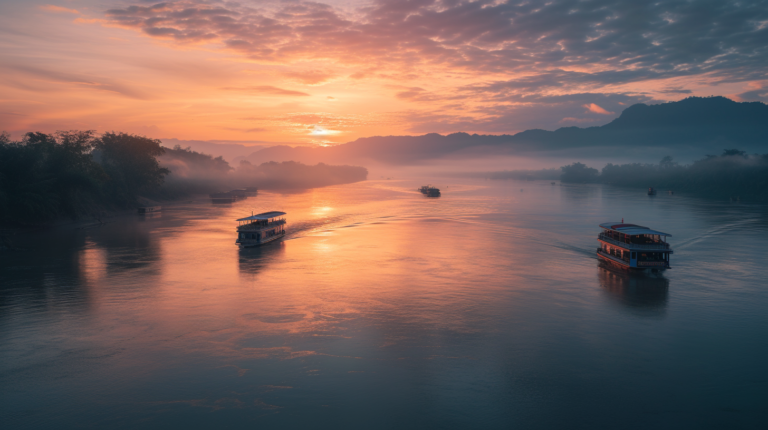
{"points": [[324, 73]]}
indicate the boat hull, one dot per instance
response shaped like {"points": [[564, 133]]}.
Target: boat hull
{"points": [[252, 243], [617, 262]]}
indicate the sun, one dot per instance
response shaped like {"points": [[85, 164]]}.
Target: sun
{"points": [[317, 130]]}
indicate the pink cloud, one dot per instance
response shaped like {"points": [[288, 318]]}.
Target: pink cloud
{"points": [[266, 89], [309, 77], [58, 9], [597, 109]]}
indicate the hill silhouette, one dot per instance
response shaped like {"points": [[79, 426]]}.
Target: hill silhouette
{"points": [[695, 124]]}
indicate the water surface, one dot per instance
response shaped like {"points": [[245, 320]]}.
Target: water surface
{"points": [[485, 308]]}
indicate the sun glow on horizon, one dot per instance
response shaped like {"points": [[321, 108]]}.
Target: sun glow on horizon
{"points": [[318, 130]]}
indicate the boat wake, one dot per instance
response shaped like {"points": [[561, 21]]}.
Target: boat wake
{"points": [[715, 232]]}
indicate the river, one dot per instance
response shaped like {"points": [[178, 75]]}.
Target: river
{"points": [[381, 309]]}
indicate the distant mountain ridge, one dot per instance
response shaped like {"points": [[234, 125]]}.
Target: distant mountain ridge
{"points": [[698, 124], [693, 111]]}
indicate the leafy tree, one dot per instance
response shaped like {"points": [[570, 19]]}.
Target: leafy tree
{"points": [[71, 173], [130, 163], [667, 162], [48, 176], [734, 173], [578, 173], [197, 160]]}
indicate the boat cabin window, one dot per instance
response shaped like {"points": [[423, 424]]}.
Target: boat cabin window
{"points": [[653, 256], [634, 255]]}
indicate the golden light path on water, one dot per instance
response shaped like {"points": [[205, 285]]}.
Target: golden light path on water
{"points": [[383, 308]]}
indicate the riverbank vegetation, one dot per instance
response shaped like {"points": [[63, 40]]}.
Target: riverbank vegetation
{"points": [[75, 174], [733, 173], [194, 173]]}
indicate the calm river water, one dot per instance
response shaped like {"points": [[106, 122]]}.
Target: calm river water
{"points": [[485, 308]]}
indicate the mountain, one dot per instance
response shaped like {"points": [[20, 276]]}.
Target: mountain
{"points": [[228, 149], [695, 125]]}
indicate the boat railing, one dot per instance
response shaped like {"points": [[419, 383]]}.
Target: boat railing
{"points": [[615, 257], [259, 226], [660, 246]]}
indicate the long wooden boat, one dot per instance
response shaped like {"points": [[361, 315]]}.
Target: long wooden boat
{"points": [[634, 247], [257, 230]]}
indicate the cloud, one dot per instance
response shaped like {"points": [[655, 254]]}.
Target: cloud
{"points": [[537, 111], [309, 77], [676, 91], [754, 96], [266, 89], [597, 109], [246, 130], [58, 9], [491, 66], [84, 82], [627, 40], [411, 94]]}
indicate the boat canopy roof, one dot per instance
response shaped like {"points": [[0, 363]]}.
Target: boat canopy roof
{"points": [[263, 216], [631, 229]]}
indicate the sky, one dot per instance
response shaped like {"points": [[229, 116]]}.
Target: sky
{"points": [[329, 72]]}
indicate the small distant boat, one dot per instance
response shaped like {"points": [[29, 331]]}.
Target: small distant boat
{"points": [[429, 191], [259, 229], [633, 247], [670, 192], [223, 198], [143, 210], [651, 191]]}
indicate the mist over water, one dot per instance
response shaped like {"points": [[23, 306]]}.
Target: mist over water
{"points": [[484, 308]]}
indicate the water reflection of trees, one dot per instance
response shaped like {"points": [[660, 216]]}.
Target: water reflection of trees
{"points": [[57, 268], [643, 294], [254, 260], [580, 193], [45, 275], [131, 245]]}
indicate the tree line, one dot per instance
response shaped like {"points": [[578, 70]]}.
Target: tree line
{"points": [[732, 173], [74, 174]]}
